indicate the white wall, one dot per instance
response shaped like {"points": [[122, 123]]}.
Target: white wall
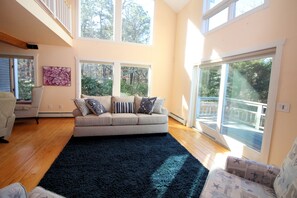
{"points": [[160, 55]]}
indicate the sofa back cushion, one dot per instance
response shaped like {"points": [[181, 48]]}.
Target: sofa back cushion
{"points": [[285, 184], [82, 106], [115, 99], [157, 108], [95, 106], [123, 107], [104, 100]]}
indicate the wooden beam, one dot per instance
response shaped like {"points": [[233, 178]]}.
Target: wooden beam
{"points": [[12, 41]]}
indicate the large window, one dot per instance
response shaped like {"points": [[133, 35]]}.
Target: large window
{"points": [[97, 19], [120, 20], [17, 75], [134, 80], [219, 12], [235, 101], [96, 78], [136, 20]]}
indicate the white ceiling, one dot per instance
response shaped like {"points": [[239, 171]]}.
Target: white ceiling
{"points": [[177, 5], [21, 24]]}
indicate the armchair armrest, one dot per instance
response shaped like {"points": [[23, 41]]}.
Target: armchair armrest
{"points": [[252, 170]]}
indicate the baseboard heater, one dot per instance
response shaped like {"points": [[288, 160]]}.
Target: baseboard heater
{"points": [[55, 114], [177, 118]]}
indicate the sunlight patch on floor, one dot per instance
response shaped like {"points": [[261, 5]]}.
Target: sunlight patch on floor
{"points": [[166, 173]]}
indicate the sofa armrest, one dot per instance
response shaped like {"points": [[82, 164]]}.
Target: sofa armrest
{"points": [[164, 111], [252, 170], [76, 113]]}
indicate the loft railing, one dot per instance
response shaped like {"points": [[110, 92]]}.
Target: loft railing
{"points": [[60, 10], [239, 111]]}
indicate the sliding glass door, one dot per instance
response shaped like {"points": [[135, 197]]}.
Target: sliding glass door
{"points": [[232, 102]]}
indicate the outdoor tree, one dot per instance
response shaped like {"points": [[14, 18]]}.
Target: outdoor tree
{"points": [[247, 80], [97, 19], [136, 23]]}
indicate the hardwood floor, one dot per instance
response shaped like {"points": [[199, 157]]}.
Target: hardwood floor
{"points": [[32, 148]]}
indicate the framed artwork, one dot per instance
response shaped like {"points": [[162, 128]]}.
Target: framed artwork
{"points": [[56, 76]]}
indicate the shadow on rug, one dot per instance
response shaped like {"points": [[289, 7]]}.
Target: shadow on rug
{"points": [[125, 166]]}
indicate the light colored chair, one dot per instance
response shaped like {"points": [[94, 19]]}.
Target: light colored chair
{"points": [[7, 116], [31, 109], [247, 178], [18, 190]]}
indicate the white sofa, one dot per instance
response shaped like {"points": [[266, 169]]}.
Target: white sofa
{"points": [[111, 123]]}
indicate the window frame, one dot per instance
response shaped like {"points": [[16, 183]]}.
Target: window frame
{"points": [[231, 6], [116, 89], [12, 69], [117, 25], [99, 63], [272, 89], [143, 66]]}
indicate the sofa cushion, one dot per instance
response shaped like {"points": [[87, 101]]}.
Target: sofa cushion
{"points": [[158, 105], [124, 119], [104, 119], [95, 106], [285, 184], [146, 105], [104, 100], [137, 101], [123, 107], [152, 119], [223, 184], [121, 99], [82, 106]]}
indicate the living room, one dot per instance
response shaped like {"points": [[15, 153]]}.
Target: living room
{"points": [[179, 44]]}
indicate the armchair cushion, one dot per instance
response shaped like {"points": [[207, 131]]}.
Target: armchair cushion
{"points": [[252, 170], [222, 184], [7, 116], [285, 184]]}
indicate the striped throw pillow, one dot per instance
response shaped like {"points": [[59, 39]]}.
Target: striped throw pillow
{"points": [[123, 107]]}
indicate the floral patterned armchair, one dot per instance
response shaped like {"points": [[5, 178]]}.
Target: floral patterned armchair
{"points": [[247, 178]]}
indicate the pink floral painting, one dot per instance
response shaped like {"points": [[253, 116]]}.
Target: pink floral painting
{"points": [[56, 76]]}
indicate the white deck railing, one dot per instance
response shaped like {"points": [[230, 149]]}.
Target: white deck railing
{"points": [[61, 10], [240, 111]]}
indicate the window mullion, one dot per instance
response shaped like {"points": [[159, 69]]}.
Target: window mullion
{"points": [[116, 89], [216, 9], [118, 21], [232, 8]]}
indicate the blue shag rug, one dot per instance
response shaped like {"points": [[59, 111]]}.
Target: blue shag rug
{"points": [[125, 166]]}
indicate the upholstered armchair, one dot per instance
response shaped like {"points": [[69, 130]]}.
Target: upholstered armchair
{"points": [[30, 109], [7, 116], [247, 178]]}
